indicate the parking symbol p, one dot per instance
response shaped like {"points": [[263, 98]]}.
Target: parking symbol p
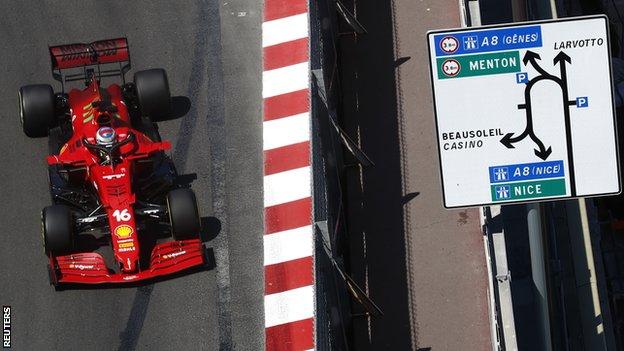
{"points": [[522, 78], [582, 101]]}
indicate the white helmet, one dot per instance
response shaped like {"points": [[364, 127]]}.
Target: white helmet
{"points": [[105, 136]]}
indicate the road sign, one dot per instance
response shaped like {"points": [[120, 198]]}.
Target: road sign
{"points": [[524, 112]]}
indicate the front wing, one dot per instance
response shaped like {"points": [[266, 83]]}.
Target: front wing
{"points": [[90, 268]]}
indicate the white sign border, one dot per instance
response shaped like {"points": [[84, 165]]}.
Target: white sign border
{"points": [[430, 35]]}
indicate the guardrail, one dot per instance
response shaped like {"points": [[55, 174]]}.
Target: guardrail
{"points": [[335, 290]]}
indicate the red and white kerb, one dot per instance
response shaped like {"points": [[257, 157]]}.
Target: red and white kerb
{"points": [[288, 244]]}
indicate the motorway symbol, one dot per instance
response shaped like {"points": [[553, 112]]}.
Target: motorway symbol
{"points": [[502, 192], [501, 173], [471, 42]]}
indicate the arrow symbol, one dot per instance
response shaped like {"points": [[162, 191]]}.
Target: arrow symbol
{"points": [[508, 140], [561, 57], [543, 154], [532, 57]]}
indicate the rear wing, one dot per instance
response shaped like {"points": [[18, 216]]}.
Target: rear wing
{"points": [[90, 57]]}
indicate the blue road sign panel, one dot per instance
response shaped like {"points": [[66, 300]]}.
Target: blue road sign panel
{"points": [[526, 171], [488, 40]]}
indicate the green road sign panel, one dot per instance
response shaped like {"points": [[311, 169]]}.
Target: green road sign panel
{"points": [[478, 65], [528, 190]]}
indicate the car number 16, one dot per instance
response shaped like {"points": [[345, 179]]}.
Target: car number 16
{"points": [[122, 216]]}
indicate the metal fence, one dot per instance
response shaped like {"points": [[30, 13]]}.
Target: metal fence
{"points": [[335, 290], [332, 300]]}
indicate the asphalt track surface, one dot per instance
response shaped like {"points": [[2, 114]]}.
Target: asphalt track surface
{"points": [[211, 51]]}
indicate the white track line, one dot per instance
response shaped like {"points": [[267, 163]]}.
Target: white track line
{"points": [[289, 306], [288, 245], [286, 131], [284, 29], [285, 79], [287, 186]]}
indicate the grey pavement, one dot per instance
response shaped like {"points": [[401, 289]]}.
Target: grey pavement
{"points": [[398, 227], [446, 253]]}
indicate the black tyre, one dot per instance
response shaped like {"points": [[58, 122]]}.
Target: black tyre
{"points": [[36, 103], [183, 214], [152, 91], [58, 229]]}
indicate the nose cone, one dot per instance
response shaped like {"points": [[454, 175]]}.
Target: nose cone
{"points": [[129, 266]]}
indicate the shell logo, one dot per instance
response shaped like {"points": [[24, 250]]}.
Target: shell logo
{"points": [[123, 231]]}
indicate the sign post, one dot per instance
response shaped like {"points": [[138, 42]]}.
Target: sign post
{"points": [[524, 112]]}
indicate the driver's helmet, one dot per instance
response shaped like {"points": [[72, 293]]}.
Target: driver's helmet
{"points": [[105, 136]]}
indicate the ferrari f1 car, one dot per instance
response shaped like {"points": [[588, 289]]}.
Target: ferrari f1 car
{"points": [[110, 178]]}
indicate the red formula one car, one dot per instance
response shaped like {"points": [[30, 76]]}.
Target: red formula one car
{"points": [[113, 188]]}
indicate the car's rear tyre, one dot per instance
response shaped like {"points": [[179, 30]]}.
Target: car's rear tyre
{"points": [[183, 214], [36, 103], [152, 91], [58, 229]]}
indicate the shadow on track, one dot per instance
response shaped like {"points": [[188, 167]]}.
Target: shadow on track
{"points": [[377, 238], [130, 335], [180, 105], [211, 227]]}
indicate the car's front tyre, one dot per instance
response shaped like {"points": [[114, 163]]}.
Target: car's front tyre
{"points": [[183, 214], [58, 229]]}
